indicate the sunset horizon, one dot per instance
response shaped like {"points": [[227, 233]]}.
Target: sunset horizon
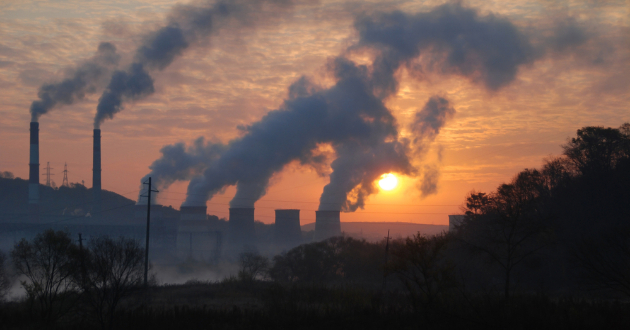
{"points": [[568, 69]]}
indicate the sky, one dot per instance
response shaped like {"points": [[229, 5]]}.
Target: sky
{"points": [[562, 65]]}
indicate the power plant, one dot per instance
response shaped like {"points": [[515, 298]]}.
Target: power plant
{"points": [[196, 237], [187, 234]]}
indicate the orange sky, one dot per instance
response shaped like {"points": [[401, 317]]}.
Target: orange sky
{"points": [[237, 76]]}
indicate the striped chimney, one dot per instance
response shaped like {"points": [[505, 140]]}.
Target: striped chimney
{"points": [[96, 171], [33, 173]]}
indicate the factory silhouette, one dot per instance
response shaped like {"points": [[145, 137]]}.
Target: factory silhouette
{"points": [[187, 234], [350, 116]]}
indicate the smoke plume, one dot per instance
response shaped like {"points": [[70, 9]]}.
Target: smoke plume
{"points": [[347, 116], [186, 25], [428, 122], [351, 116], [83, 81], [452, 38], [425, 128], [179, 163]]}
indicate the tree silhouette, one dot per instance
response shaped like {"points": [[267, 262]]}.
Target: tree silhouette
{"points": [[48, 266], [421, 265], [598, 150], [5, 283], [508, 226], [252, 266], [113, 269]]}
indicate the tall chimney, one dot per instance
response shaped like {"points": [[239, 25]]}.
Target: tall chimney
{"points": [[33, 174], [96, 171], [241, 236], [327, 224], [287, 230]]}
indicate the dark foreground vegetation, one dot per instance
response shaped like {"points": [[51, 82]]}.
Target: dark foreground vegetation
{"points": [[267, 305], [548, 250]]}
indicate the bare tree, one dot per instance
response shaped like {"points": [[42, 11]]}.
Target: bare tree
{"points": [[421, 265], [113, 269], [252, 266], [48, 266], [5, 282], [605, 260]]}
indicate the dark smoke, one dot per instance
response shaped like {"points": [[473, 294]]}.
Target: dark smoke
{"points": [[356, 169], [425, 128], [187, 25], [180, 163], [455, 39], [348, 116], [351, 115], [83, 81], [130, 85], [428, 182], [428, 122], [568, 34]]}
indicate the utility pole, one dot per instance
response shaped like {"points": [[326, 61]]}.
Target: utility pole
{"points": [[83, 272], [386, 257], [146, 251], [65, 175]]}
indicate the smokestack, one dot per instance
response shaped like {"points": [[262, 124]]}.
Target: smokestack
{"points": [[327, 224], [33, 174], [96, 171], [241, 235], [287, 230]]}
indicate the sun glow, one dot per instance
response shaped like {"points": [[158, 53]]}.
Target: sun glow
{"points": [[388, 181]]}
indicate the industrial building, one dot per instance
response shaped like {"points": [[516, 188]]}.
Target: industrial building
{"points": [[187, 234]]}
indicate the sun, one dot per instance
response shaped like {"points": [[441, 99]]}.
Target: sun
{"points": [[388, 181]]}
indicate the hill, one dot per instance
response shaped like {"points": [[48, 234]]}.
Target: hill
{"points": [[375, 231], [67, 204]]}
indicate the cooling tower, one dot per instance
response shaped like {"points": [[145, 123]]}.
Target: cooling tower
{"points": [[195, 238], [33, 174], [327, 224], [96, 171], [192, 213], [287, 230], [241, 235]]}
